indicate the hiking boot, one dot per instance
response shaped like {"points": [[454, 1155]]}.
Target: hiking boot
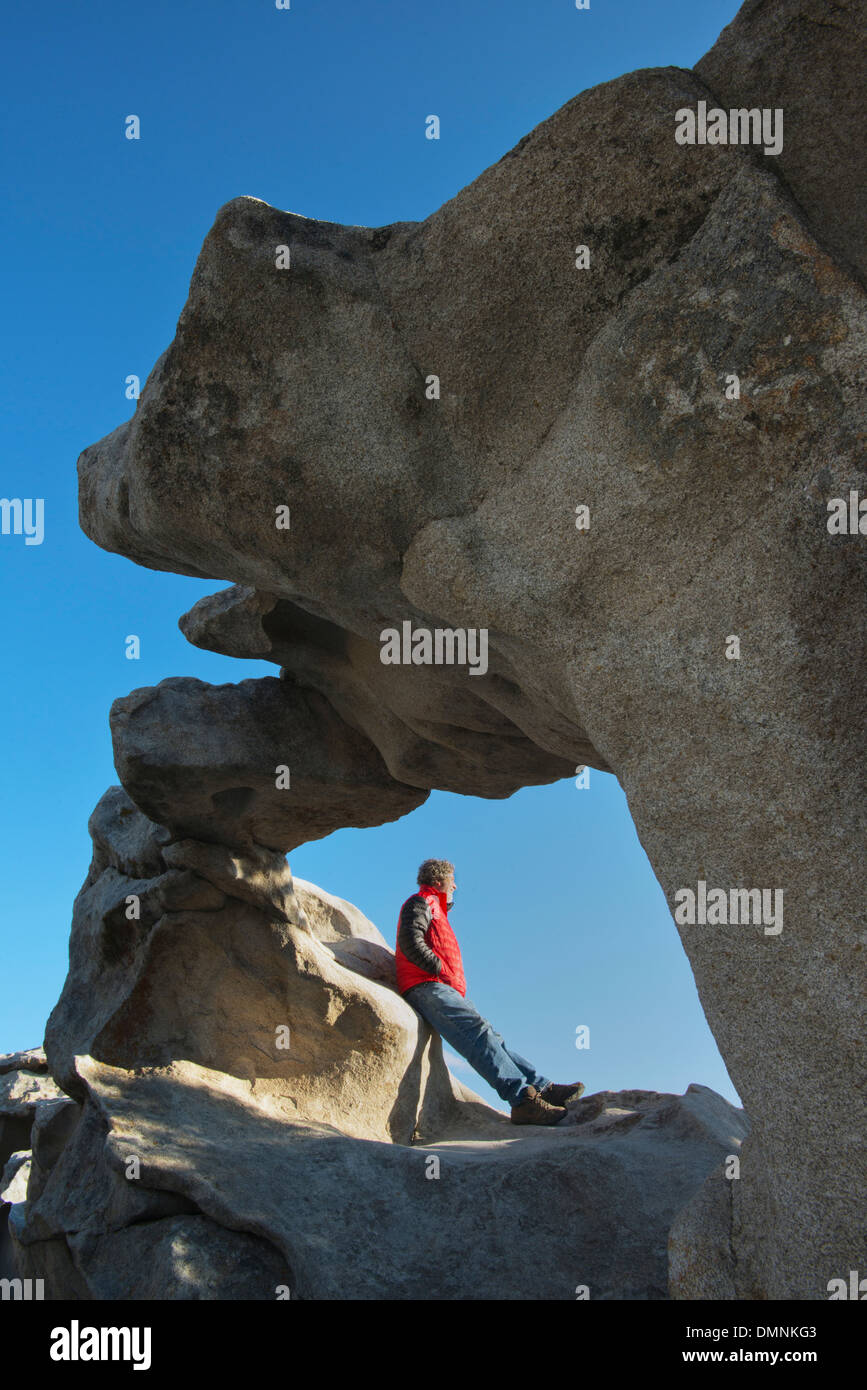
{"points": [[561, 1095], [533, 1110]]}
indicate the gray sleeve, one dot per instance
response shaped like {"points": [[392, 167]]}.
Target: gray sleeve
{"points": [[415, 918]]}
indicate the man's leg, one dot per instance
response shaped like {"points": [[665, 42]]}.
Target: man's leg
{"points": [[459, 1023], [527, 1070], [534, 1077]]}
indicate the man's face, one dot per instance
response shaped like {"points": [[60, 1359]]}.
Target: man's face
{"points": [[449, 887]]}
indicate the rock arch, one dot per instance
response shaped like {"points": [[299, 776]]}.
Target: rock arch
{"points": [[559, 387]]}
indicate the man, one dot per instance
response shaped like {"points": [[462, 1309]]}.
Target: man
{"points": [[430, 975]]}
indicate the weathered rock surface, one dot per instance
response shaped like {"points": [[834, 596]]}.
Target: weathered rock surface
{"points": [[25, 1086], [13, 1189], [13, 1183], [28, 1096], [29, 1059], [605, 387], [353, 940], [482, 736], [809, 58], [536, 1214], [223, 968], [95, 1231], [213, 762]]}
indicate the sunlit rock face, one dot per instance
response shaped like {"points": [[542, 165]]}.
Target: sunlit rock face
{"points": [[615, 462], [213, 958]]}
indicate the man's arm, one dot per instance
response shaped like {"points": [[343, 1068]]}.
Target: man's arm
{"points": [[415, 918]]}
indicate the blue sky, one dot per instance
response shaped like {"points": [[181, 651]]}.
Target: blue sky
{"points": [[319, 110]]}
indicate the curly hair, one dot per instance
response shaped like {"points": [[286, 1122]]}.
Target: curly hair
{"points": [[434, 872]]}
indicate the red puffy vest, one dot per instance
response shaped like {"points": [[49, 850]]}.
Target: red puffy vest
{"points": [[441, 940]]}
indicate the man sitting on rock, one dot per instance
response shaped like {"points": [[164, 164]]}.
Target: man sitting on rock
{"points": [[430, 976]]}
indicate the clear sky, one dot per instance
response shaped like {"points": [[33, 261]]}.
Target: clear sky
{"points": [[320, 110]]}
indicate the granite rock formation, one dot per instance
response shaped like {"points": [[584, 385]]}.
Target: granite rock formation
{"points": [[309, 388], [263, 1096], [234, 1198], [189, 945], [26, 1093]]}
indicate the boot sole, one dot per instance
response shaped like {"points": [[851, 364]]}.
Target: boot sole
{"points": [[542, 1122]]}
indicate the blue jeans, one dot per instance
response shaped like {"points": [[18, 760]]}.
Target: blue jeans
{"points": [[459, 1023]]}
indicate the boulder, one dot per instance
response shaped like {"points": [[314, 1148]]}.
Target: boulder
{"points": [[29, 1059], [28, 1098], [254, 985], [263, 763], [580, 1210], [13, 1183], [22, 1094]]}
